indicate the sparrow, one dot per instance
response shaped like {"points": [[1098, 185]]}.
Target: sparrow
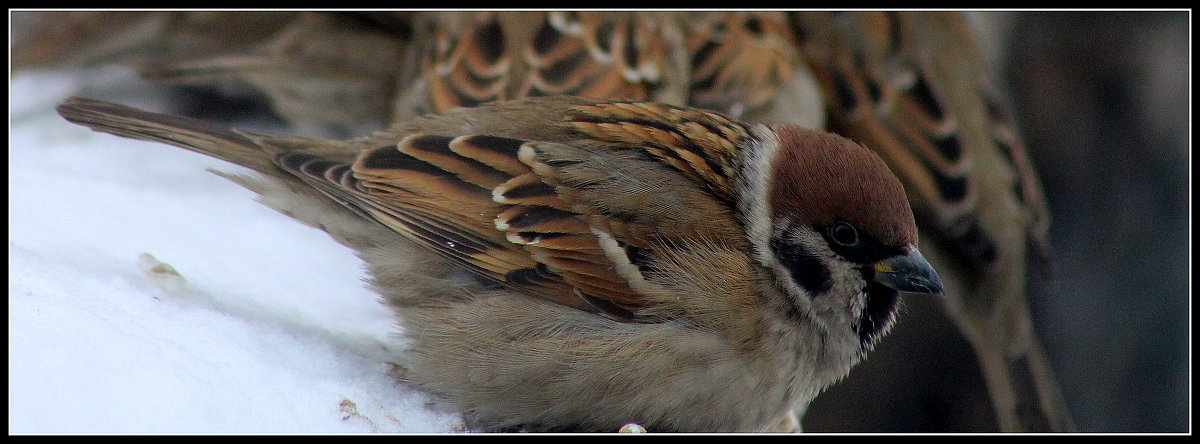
{"points": [[911, 86], [914, 88], [324, 73], [570, 264], [70, 39]]}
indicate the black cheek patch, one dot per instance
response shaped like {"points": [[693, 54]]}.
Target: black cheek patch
{"points": [[877, 314], [806, 269]]}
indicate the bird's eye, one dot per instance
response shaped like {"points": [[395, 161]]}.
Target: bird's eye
{"points": [[844, 234]]}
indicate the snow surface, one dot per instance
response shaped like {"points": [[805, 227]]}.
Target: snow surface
{"points": [[271, 330]]}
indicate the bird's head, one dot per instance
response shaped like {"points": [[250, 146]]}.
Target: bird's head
{"points": [[833, 225]]}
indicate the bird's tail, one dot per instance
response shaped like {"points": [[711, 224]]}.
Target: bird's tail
{"points": [[195, 135]]}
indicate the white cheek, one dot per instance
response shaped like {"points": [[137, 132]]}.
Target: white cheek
{"points": [[845, 298], [835, 313], [753, 185]]}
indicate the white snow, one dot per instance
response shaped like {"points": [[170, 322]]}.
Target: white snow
{"points": [[272, 331]]}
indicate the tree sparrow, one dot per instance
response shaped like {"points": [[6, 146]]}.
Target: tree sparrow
{"points": [[564, 263], [909, 85]]}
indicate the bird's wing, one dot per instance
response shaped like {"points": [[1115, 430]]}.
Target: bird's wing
{"points": [[472, 58], [912, 87], [738, 61], [586, 222]]}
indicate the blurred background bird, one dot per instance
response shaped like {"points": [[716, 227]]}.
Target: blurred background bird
{"points": [[920, 88]]}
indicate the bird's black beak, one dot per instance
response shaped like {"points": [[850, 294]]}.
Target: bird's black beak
{"points": [[908, 272]]}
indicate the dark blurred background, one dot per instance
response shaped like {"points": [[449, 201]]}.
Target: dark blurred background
{"points": [[1103, 101]]}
